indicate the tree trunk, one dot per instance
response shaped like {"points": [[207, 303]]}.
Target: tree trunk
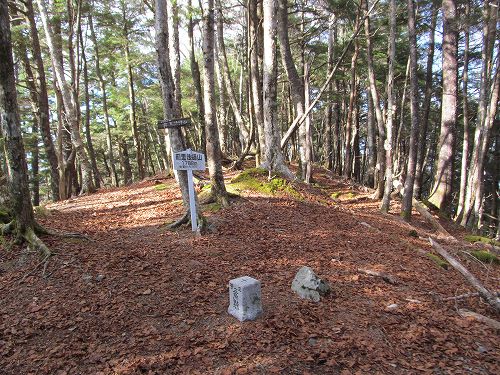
{"points": [[43, 103], [381, 157], [88, 135], [419, 172], [69, 104], [212, 132], [475, 183], [390, 110], [241, 121], [195, 73], [443, 179], [465, 109], [255, 76], [23, 223], [296, 84], [125, 162], [131, 94], [102, 84], [163, 53], [173, 12], [273, 157], [412, 154]]}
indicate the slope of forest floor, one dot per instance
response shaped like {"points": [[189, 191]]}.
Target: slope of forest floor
{"points": [[138, 298]]}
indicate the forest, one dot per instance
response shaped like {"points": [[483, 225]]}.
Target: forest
{"points": [[398, 97], [348, 135]]}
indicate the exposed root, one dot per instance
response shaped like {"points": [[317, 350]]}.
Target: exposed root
{"points": [[7, 228], [41, 230], [183, 220], [36, 243], [495, 324], [44, 261]]}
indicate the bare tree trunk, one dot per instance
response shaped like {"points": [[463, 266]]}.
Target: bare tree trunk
{"points": [[465, 108], [88, 135], [241, 121], [163, 53], [23, 223], [475, 183], [441, 192], [296, 83], [69, 103], [125, 162], [412, 155], [173, 11], [381, 158], [419, 173], [102, 84], [273, 157], [43, 103], [195, 73], [256, 82], [390, 110], [131, 94], [212, 132]]}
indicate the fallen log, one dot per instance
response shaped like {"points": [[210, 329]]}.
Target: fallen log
{"points": [[464, 313], [424, 212], [483, 292], [387, 278]]}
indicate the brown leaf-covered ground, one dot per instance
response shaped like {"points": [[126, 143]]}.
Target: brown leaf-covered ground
{"points": [[138, 298]]}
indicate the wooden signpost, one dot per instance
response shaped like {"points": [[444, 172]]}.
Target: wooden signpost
{"points": [[190, 161], [174, 123]]}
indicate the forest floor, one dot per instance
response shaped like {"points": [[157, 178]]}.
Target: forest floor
{"points": [[139, 298]]}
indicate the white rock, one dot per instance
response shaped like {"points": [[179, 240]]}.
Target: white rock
{"points": [[309, 286], [245, 301]]}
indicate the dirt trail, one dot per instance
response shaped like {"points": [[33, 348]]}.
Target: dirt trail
{"points": [[138, 298]]}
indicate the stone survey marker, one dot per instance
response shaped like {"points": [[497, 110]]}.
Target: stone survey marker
{"points": [[245, 301]]}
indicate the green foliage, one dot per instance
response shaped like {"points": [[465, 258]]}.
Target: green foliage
{"points": [[489, 241], [485, 256], [438, 260]]}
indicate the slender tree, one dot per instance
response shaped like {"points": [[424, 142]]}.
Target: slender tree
{"points": [[412, 153], [441, 192], [211, 130]]}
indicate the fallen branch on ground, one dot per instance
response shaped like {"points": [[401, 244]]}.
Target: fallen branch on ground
{"points": [[387, 278], [485, 293], [466, 295], [424, 212], [464, 313]]}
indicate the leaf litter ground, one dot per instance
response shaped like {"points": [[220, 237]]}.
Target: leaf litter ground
{"points": [[137, 298]]}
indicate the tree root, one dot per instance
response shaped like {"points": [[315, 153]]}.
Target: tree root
{"points": [[495, 324], [183, 220], [7, 228], [384, 276], [37, 244]]}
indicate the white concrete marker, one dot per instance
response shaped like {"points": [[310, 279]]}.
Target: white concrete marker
{"points": [[190, 161], [245, 301]]}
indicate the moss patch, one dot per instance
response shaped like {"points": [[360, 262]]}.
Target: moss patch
{"points": [[42, 211], [438, 260], [489, 241], [211, 207], [336, 194], [413, 233], [485, 256], [161, 187], [251, 180]]}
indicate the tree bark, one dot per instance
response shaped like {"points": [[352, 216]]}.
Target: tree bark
{"points": [[212, 132], [69, 103], [419, 172], [43, 103], [273, 157], [443, 179], [412, 154], [390, 110], [102, 84]]}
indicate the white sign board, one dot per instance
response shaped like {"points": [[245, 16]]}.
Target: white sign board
{"points": [[189, 160]]}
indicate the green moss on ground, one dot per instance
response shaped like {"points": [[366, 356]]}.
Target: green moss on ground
{"points": [[438, 260], [336, 194], [485, 256], [42, 211], [211, 207], [251, 180], [161, 187], [413, 233], [489, 241]]}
